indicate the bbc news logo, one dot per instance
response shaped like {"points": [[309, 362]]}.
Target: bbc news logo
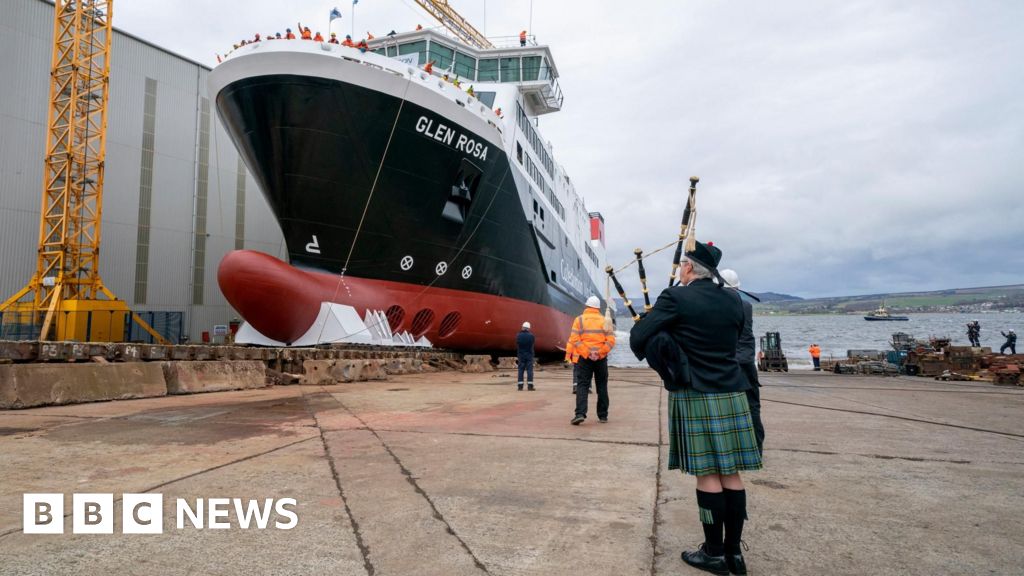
{"points": [[144, 513]]}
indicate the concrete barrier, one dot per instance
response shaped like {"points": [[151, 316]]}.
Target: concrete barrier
{"points": [[317, 372], [213, 376], [478, 363], [28, 385], [324, 372], [507, 363]]}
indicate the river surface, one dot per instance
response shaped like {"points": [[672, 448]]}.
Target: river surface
{"points": [[836, 334]]}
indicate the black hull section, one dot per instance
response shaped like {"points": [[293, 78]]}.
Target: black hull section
{"points": [[324, 151]]}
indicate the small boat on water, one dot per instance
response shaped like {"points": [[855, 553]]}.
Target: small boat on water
{"points": [[882, 314]]}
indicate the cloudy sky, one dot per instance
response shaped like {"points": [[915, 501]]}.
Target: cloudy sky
{"points": [[843, 146]]}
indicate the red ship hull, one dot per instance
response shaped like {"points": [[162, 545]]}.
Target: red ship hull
{"points": [[282, 302]]}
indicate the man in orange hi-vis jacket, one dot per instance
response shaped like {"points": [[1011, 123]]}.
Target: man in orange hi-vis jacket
{"points": [[592, 342], [815, 356]]}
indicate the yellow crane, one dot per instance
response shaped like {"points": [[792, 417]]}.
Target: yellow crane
{"points": [[66, 293], [453, 21]]}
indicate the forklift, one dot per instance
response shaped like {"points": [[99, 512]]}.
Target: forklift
{"points": [[771, 358]]}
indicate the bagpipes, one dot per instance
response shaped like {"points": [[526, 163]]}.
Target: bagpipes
{"points": [[687, 242], [687, 239]]}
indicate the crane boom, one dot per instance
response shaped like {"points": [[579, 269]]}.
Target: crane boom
{"points": [[453, 21]]}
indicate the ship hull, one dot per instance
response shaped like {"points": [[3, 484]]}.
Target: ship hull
{"points": [[282, 302], [386, 203]]}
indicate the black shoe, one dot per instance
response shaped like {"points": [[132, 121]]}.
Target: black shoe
{"points": [[574, 389], [578, 420], [603, 420], [520, 387], [701, 560], [736, 563], [530, 388]]}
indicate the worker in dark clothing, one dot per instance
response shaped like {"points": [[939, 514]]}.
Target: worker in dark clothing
{"points": [[745, 356], [691, 336], [334, 38], [1011, 342], [974, 333], [524, 355]]}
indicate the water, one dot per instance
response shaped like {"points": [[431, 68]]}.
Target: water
{"points": [[837, 334]]}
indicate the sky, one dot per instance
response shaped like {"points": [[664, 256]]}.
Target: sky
{"points": [[844, 147]]}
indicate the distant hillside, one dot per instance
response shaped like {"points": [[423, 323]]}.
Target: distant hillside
{"points": [[955, 300], [774, 296]]}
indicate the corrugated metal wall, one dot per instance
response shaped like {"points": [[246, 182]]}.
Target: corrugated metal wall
{"points": [[26, 33]]}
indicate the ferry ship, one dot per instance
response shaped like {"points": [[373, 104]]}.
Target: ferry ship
{"points": [[399, 189]]}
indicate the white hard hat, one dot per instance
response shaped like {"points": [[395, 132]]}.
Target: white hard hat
{"points": [[732, 279], [526, 325], [593, 302]]}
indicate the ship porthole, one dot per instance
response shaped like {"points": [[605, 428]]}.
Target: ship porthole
{"points": [[449, 324], [467, 272], [421, 322], [395, 314], [406, 262], [441, 268]]}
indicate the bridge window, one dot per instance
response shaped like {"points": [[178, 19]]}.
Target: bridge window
{"points": [[531, 67], [465, 66], [414, 48], [488, 71], [441, 55], [510, 69]]}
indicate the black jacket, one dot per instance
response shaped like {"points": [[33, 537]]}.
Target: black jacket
{"points": [[706, 322], [524, 344], [745, 346]]}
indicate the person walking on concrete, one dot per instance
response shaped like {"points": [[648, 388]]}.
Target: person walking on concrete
{"points": [[745, 356], [524, 355], [815, 356], [1011, 342], [592, 342], [695, 329]]}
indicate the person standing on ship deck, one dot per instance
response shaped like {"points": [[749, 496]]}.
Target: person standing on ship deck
{"points": [[696, 327], [522, 38], [592, 342], [524, 355], [745, 356]]}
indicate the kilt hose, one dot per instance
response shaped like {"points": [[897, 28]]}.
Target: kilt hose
{"points": [[711, 433]]}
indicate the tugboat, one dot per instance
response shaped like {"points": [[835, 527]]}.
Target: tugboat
{"points": [[882, 314], [411, 178]]}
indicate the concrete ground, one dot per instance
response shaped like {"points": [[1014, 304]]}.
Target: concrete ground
{"points": [[450, 474]]}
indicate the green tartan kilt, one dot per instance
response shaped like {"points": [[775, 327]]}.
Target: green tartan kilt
{"points": [[711, 433]]}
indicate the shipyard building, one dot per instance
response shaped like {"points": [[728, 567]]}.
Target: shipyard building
{"points": [[176, 198]]}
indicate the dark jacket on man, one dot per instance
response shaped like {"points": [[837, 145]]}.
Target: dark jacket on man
{"points": [[706, 321], [524, 344]]}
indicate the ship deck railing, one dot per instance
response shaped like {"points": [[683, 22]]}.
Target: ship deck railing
{"points": [[383, 63]]}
